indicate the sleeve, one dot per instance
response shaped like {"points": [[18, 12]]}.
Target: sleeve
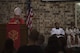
{"points": [[67, 31], [22, 21], [11, 21], [77, 31], [62, 32], [52, 31]]}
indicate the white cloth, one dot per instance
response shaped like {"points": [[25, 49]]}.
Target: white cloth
{"points": [[67, 31], [57, 32], [73, 33], [17, 11]]}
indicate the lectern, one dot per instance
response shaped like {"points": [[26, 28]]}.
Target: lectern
{"points": [[3, 33]]}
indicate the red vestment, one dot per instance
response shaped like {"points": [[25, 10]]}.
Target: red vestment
{"points": [[13, 21]]}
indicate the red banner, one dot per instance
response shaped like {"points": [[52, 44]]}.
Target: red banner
{"points": [[13, 32]]}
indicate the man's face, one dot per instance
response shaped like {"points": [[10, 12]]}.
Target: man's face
{"points": [[17, 16], [57, 25]]}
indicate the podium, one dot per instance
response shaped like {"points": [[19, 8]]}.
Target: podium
{"points": [[3, 33]]}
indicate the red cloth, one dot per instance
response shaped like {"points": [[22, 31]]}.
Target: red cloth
{"points": [[13, 21], [13, 32]]}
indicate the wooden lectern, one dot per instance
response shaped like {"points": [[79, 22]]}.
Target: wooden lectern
{"points": [[23, 35]]}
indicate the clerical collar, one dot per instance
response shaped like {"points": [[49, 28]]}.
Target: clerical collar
{"points": [[57, 28]]}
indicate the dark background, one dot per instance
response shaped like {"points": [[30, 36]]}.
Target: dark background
{"points": [[60, 0]]}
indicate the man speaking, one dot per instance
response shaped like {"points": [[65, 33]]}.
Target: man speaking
{"points": [[16, 19]]}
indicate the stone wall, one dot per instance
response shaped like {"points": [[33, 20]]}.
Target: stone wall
{"points": [[45, 13], [7, 9]]}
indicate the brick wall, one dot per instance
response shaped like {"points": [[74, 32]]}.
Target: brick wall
{"points": [[45, 13], [7, 9]]}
